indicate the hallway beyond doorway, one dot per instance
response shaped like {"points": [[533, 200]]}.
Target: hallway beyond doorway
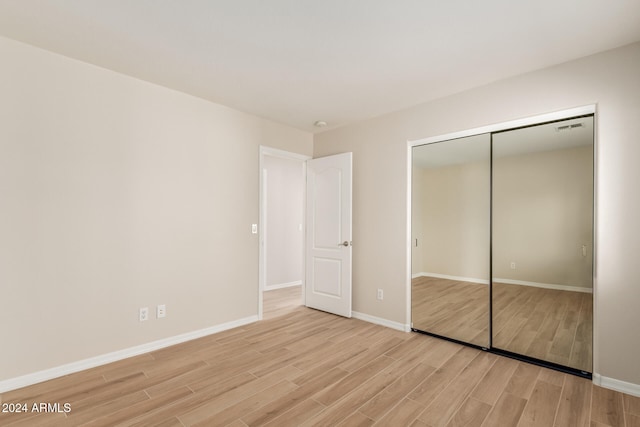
{"points": [[281, 301]]}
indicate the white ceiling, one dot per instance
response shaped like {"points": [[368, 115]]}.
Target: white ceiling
{"points": [[341, 61]]}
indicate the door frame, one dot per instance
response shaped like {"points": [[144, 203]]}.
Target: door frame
{"points": [[527, 121], [262, 221]]}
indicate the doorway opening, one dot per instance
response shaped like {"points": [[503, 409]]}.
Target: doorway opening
{"points": [[282, 232]]}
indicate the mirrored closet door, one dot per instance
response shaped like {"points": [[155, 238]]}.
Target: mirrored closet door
{"points": [[450, 222], [502, 242], [542, 212]]}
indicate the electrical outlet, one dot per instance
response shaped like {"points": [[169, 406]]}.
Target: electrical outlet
{"points": [[513, 265], [254, 228], [144, 314], [161, 311], [380, 294]]}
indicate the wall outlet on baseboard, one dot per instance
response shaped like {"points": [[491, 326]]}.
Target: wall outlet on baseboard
{"points": [[144, 314], [380, 295]]}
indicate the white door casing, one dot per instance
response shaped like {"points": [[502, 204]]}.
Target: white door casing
{"points": [[328, 243], [262, 228]]}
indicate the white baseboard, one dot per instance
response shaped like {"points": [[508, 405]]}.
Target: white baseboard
{"points": [[507, 281], [544, 285], [380, 321], [617, 385], [81, 365], [446, 276], [282, 285]]}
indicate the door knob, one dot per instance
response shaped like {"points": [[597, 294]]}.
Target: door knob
{"points": [[345, 243]]}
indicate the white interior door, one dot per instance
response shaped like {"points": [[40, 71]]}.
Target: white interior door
{"points": [[328, 244]]}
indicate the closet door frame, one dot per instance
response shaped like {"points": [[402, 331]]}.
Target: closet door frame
{"points": [[490, 129]]}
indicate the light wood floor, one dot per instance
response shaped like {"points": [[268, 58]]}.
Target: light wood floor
{"points": [[546, 324], [451, 308], [310, 368], [542, 323], [281, 301]]}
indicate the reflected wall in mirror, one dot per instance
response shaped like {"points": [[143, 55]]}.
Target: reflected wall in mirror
{"points": [[542, 238], [451, 232]]}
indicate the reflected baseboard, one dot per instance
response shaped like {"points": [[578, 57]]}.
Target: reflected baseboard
{"points": [[448, 277], [543, 285], [506, 281]]}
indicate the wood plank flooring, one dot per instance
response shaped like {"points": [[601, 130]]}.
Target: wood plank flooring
{"points": [[546, 324], [451, 308], [281, 301], [309, 368]]}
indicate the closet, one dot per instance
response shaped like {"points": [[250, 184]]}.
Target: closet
{"points": [[502, 241]]}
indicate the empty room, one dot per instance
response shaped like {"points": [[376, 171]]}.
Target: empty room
{"points": [[337, 213]]}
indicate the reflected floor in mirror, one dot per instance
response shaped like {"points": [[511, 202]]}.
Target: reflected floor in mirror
{"points": [[546, 324], [451, 308]]}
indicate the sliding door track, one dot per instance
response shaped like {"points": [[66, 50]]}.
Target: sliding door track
{"points": [[516, 356]]}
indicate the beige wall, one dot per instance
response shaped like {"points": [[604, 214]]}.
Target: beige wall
{"points": [[454, 222], [118, 194], [285, 204], [542, 215], [379, 148]]}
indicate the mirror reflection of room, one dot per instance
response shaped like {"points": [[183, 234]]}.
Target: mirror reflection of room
{"points": [[543, 242], [507, 214], [450, 249]]}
